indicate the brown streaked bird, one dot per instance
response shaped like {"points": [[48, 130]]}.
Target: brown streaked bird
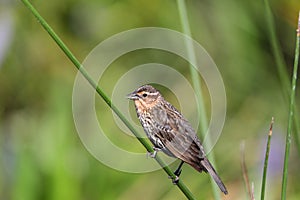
{"points": [[170, 132]]}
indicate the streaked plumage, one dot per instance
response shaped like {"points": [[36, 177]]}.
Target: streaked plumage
{"points": [[170, 132]]}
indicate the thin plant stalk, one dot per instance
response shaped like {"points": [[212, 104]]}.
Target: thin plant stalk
{"points": [[86, 75], [291, 114], [197, 88], [249, 188], [281, 68], [263, 185]]}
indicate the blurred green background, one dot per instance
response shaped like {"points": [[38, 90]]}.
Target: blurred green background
{"points": [[41, 155]]}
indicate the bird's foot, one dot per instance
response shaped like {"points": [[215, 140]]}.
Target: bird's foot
{"points": [[153, 154], [177, 174], [175, 179]]}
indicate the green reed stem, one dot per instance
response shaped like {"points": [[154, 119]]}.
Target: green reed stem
{"points": [[281, 68], [86, 75], [291, 114], [264, 179], [197, 88]]}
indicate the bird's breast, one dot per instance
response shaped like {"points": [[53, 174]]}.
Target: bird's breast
{"points": [[140, 107]]}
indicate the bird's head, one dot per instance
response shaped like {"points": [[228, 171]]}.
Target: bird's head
{"points": [[146, 96]]}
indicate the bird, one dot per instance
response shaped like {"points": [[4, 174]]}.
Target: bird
{"points": [[170, 132]]}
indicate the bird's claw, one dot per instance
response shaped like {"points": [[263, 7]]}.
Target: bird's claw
{"points": [[153, 154], [177, 174], [175, 179]]}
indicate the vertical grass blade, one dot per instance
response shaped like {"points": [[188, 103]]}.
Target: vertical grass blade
{"points": [[197, 88], [281, 68], [86, 75], [290, 118], [263, 185]]}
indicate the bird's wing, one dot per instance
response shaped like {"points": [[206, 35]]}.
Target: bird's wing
{"points": [[178, 136]]}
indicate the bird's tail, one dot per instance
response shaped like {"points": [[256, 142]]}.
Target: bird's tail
{"points": [[206, 164]]}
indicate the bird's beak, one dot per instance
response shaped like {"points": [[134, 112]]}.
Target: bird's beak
{"points": [[132, 96]]}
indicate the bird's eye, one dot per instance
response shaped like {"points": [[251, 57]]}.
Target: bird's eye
{"points": [[145, 95]]}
